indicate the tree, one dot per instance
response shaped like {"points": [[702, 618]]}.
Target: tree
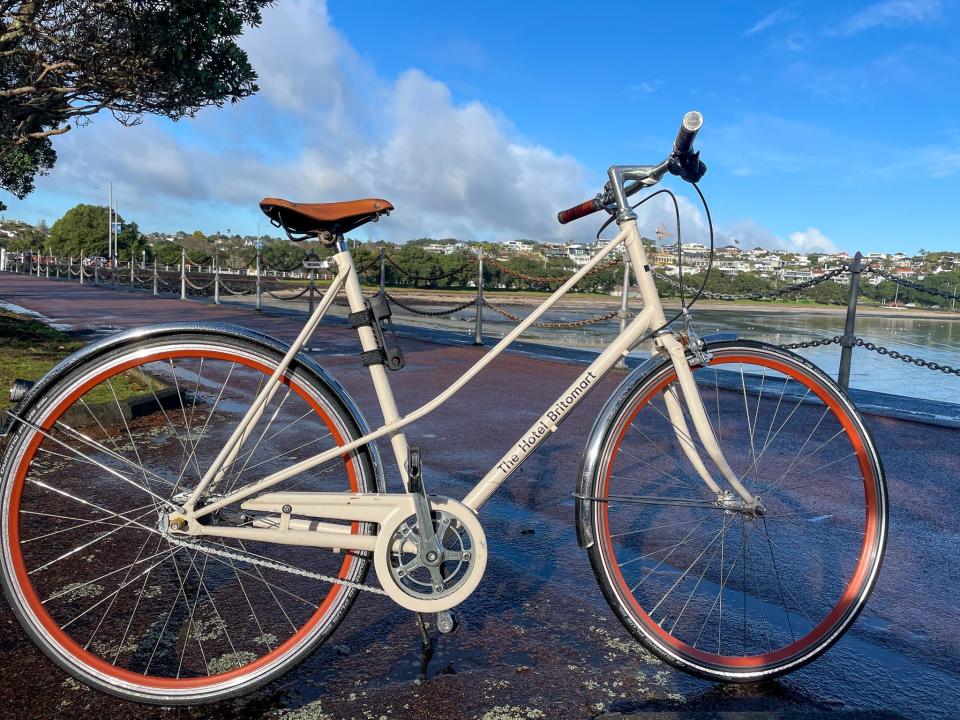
{"points": [[167, 253], [83, 227], [132, 245], [283, 255], [63, 62]]}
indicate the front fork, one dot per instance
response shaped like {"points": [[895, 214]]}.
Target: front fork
{"points": [[665, 342], [670, 345]]}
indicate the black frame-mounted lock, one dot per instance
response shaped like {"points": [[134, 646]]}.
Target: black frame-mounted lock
{"points": [[377, 315]]}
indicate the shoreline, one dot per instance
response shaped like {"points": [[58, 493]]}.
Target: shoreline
{"points": [[525, 298]]}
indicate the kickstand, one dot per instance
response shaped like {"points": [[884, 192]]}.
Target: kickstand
{"points": [[426, 646]]}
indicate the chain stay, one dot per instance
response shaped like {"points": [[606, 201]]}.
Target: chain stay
{"points": [[276, 566]]}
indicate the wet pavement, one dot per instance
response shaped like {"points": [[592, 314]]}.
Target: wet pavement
{"points": [[537, 639]]}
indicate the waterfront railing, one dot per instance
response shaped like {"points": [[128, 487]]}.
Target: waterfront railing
{"points": [[304, 281]]}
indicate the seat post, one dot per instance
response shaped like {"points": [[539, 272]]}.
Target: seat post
{"points": [[368, 342]]}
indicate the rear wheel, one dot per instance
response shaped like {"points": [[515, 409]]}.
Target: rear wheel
{"points": [[86, 565], [705, 584]]}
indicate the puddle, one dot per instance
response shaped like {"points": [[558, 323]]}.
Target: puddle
{"points": [[20, 310]]}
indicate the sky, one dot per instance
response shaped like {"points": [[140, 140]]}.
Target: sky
{"points": [[826, 125]]}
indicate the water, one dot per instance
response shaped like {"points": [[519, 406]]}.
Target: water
{"points": [[934, 339]]}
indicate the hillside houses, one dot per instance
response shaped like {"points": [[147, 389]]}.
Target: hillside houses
{"points": [[731, 260]]}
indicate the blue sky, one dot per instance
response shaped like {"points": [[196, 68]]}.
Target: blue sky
{"points": [[827, 125]]}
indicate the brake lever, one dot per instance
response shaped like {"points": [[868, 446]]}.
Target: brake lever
{"points": [[688, 166]]}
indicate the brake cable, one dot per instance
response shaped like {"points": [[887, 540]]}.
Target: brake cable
{"points": [[684, 308]]}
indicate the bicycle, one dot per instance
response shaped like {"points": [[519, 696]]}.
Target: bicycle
{"points": [[190, 509]]}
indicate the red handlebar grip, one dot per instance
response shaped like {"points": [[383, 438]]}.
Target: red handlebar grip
{"points": [[577, 211]]}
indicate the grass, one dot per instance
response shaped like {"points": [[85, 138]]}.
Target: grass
{"points": [[29, 348]]}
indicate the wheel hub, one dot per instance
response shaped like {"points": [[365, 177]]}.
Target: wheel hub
{"points": [[733, 504]]}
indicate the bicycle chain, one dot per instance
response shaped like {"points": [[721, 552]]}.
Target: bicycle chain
{"points": [[277, 566], [919, 362]]}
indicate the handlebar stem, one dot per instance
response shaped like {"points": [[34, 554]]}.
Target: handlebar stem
{"points": [[643, 176]]}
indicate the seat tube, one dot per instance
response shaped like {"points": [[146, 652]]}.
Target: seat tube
{"points": [[378, 373]]}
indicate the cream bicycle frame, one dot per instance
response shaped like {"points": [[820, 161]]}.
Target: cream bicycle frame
{"points": [[375, 507]]}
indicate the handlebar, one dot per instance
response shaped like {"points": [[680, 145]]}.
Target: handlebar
{"points": [[578, 211], [682, 148], [692, 122]]}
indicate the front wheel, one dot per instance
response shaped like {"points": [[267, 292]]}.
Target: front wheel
{"points": [[86, 484], [709, 586]]}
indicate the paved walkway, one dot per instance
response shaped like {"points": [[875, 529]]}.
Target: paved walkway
{"points": [[537, 635]]}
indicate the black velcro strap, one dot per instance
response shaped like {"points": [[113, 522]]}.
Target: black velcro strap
{"points": [[359, 319], [372, 357]]}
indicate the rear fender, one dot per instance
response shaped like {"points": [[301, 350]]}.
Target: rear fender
{"points": [[108, 344]]}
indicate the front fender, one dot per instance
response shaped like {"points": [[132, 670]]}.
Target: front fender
{"points": [[598, 433]]}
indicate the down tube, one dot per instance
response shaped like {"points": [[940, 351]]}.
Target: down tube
{"points": [[557, 412]]}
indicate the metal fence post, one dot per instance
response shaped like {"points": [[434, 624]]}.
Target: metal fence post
{"points": [[849, 339], [38, 263], [313, 284], [478, 323], [183, 273], [81, 267], [155, 276], [69, 267], [133, 277], [96, 271], [383, 269], [56, 266], [257, 306]]}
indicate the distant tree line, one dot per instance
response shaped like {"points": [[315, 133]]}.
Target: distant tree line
{"points": [[83, 228]]}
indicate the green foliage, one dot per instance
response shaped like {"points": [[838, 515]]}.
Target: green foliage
{"points": [[62, 63], [283, 255], [82, 228], [168, 253], [887, 290], [25, 237], [132, 244]]}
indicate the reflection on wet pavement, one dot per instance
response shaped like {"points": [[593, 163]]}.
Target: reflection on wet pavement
{"points": [[537, 639]]}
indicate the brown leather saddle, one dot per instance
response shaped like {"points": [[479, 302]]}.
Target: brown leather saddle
{"points": [[307, 219]]}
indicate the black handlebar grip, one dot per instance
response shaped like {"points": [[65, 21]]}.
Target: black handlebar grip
{"points": [[578, 211], [689, 128]]}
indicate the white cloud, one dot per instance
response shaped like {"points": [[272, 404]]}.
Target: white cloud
{"points": [[777, 17], [326, 127], [812, 240], [750, 234], [890, 13]]}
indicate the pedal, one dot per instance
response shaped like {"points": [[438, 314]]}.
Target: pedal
{"points": [[447, 622]]}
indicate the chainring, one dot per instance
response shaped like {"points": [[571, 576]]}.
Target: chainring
{"points": [[435, 577]]}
